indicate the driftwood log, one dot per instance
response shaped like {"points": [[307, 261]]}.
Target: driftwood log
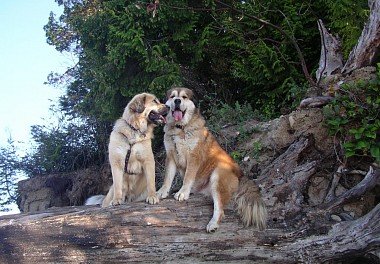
{"points": [[172, 232]]}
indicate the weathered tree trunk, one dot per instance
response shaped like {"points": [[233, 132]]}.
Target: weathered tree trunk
{"points": [[172, 232], [366, 51], [331, 60], [330, 69]]}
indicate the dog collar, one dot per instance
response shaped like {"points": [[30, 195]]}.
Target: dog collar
{"points": [[135, 129]]}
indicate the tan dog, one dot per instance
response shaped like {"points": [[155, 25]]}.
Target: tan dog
{"points": [[130, 151], [205, 167]]}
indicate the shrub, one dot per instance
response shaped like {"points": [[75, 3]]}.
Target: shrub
{"points": [[353, 117]]}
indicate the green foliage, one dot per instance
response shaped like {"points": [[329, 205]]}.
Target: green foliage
{"points": [[256, 149], [9, 166], [347, 27], [65, 147], [354, 118], [237, 155], [220, 114], [123, 49]]}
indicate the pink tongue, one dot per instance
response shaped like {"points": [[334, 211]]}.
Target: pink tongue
{"points": [[177, 115]]}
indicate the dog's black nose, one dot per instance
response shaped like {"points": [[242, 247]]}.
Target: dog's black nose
{"points": [[177, 101]]}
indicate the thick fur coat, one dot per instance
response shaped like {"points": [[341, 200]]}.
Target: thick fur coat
{"points": [[130, 151], [205, 167]]}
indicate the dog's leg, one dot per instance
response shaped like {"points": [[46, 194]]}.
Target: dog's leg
{"points": [[222, 185], [188, 181], [118, 181], [149, 170], [218, 214], [170, 172], [108, 199]]}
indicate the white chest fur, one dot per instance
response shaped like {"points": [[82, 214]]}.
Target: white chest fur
{"points": [[182, 144]]}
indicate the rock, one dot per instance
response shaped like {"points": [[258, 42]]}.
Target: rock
{"points": [[336, 218], [57, 190]]}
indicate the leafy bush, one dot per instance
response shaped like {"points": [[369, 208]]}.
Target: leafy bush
{"points": [[348, 27], [124, 49], [354, 118], [220, 114], [66, 147], [9, 166]]}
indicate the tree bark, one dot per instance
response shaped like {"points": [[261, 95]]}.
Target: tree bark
{"points": [[171, 232], [366, 51], [370, 181], [331, 60], [317, 101]]}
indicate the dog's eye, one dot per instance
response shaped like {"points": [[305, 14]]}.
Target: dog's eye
{"points": [[184, 97], [156, 101], [172, 96]]}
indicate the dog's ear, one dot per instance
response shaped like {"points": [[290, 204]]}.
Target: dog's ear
{"points": [[137, 104], [193, 97], [168, 93]]}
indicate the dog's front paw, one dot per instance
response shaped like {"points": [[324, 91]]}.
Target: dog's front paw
{"points": [[181, 196], [152, 199], [162, 193], [212, 226], [116, 202]]}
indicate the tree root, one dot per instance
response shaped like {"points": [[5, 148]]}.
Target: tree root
{"points": [[357, 237], [370, 180], [331, 193]]}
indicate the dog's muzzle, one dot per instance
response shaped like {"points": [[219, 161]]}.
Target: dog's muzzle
{"points": [[159, 117], [177, 104], [177, 113]]}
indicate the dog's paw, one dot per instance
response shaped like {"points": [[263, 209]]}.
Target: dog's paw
{"points": [[152, 199], [162, 193], [212, 226], [116, 202], [181, 196]]}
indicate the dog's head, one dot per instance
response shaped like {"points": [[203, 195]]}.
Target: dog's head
{"points": [[180, 100], [146, 106]]}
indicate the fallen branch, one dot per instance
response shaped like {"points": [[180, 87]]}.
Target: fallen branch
{"points": [[370, 181], [357, 237], [314, 102]]}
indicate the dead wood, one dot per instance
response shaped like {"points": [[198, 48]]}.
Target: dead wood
{"points": [[317, 101], [171, 232], [331, 193], [294, 176], [370, 181], [366, 51], [357, 236], [331, 59]]}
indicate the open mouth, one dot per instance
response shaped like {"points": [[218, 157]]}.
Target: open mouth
{"points": [[158, 117], [178, 114]]}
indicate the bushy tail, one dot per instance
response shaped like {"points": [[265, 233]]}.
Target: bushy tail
{"points": [[250, 205], [94, 200]]}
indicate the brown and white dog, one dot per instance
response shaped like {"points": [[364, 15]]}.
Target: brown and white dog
{"points": [[204, 166]]}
